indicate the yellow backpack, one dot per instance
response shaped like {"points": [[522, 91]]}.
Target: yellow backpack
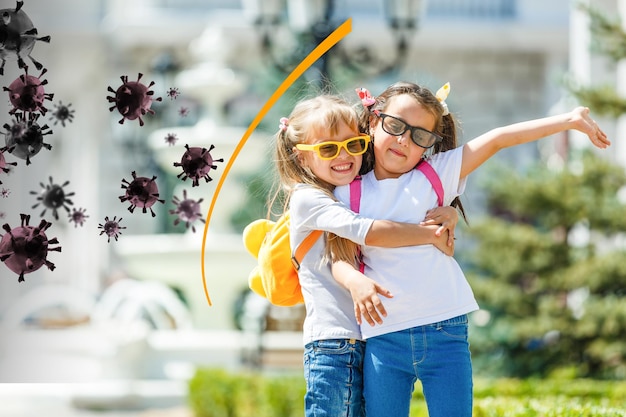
{"points": [[274, 277]]}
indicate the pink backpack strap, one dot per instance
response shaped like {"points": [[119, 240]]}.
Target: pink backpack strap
{"points": [[355, 194], [432, 176], [355, 206]]}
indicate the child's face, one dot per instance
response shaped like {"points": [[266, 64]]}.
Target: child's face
{"points": [[396, 155], [340, 170]]}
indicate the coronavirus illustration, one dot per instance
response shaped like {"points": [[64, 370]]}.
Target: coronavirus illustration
{"points": [[183, 111], [18, 37], [78, 216], [141, 192], [132, 99], [25, 138], [4, 165], [196, 163], [173, 93], [52, 196], [24, 249], [5, 192], [62, 113], [27, 93], [171, 139], [111, 228], [187, 210]]}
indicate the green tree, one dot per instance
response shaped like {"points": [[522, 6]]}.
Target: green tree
{"points": [[544, 267], [608, 38]]}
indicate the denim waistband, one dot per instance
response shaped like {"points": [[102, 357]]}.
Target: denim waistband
{"points": [[462, 319]]}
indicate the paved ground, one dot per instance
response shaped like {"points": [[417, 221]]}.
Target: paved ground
{"points": [[144, 399]]}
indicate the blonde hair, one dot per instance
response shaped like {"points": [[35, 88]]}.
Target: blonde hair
{"points": [[312, 117]]}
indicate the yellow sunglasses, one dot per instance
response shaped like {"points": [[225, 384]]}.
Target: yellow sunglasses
{"points": [[331, 149]]}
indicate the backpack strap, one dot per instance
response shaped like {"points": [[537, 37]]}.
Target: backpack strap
{"points": [[355, 206], [423, 166], [434, 179], [304, 247], [355, 194]]}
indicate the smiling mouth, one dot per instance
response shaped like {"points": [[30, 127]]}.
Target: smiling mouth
{"points": [[397, 152], [342, 167]]}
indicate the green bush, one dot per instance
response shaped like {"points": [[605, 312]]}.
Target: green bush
{"points": [[218, 393]]}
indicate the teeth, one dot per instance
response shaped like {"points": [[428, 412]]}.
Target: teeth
{"points": [[343, 167]]}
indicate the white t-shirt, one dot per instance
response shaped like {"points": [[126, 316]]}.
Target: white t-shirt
{"points": [[428, 286], [329, 306]]}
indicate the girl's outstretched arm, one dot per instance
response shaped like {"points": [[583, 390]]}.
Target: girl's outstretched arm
{"points": [[478, 150]]}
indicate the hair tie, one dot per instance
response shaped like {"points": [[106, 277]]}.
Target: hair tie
{"points": [[366, 98], [284, 122], [442, 95]]}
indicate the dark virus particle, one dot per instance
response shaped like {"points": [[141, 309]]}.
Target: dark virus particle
{"points": [[196, 163], [78, 216], [141, 192], [62, 113], [4, 165], [4, 193], [28, 94], [132, 99], [18, 37], [2, 215], [52, 196], [173, 93], [25, 138], [24, 249], [187, 210], [171, 139], [183, 111], [111, 228]]}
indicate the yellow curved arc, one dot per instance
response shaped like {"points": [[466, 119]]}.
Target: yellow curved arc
{"points": [[321, 49]]}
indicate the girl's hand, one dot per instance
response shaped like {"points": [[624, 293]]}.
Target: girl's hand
{"points": [[447, 217], [367, 303], [364, 292], [584, 123], [442, 243]]}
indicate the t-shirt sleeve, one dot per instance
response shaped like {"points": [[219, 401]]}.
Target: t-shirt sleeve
{"points": [[312, 209]]}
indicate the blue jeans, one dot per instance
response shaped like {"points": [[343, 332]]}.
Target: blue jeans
{"points": [[438, 354], [333, 370]]}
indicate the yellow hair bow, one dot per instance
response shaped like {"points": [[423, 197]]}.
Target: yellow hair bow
{"points": [[442, 95]]}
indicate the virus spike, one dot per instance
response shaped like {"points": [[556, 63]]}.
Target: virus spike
{"points": [[78, 217], [111, 228], [25, 138], [62, 113], [132, 99], [187, 210], [27, 93], [24, 249], [141, 192], [18, 36], [196, 163], [52, 196]]}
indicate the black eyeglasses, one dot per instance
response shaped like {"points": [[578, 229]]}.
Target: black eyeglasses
{"points": [[396, 127]]}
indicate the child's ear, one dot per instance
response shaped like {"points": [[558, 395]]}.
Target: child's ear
{"points": [[298, 156]]}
